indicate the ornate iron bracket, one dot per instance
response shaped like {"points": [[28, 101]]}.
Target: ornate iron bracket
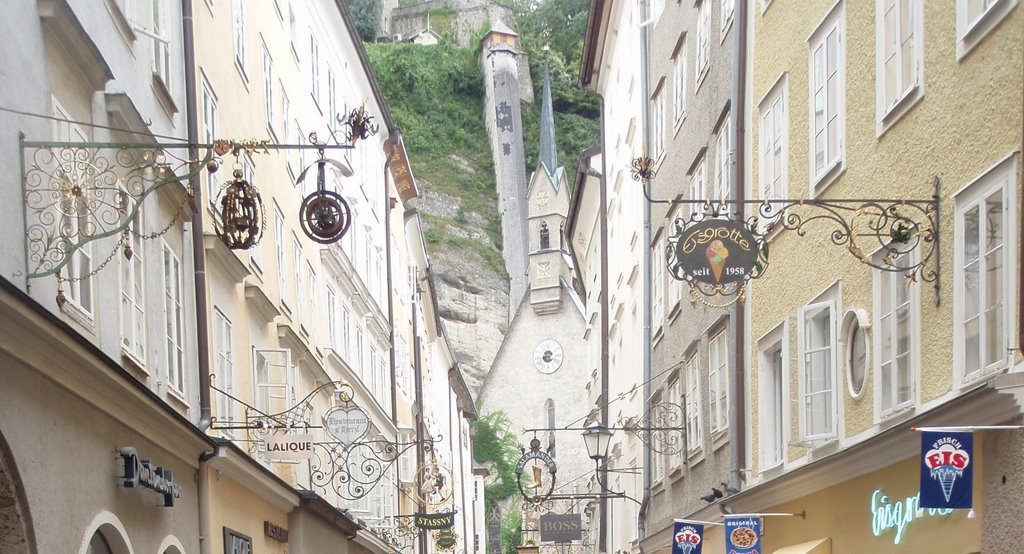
{"points": [[892, 235], [662, 428]]}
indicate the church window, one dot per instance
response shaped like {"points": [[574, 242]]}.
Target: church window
{"points": [[545, 237]]}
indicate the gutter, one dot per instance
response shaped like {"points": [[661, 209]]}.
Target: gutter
{"points": [[645, 125], [393, 139], [198, 249], [737, 313]]}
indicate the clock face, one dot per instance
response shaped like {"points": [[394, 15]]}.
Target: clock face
{"points": [[548, 356]]}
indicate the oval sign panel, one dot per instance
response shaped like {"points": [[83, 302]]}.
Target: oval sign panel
{"points": [[717, 252]]}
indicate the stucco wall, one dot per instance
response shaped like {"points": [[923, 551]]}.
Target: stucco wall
{"points": [[948, 133], [235, 507]]}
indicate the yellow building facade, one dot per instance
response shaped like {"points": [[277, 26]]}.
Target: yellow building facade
{"points": [[883, 100]]}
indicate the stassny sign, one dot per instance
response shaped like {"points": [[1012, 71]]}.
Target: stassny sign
{"points": [[444, 520], [141, 473]]}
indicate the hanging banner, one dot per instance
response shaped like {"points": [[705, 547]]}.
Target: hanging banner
{"points": [[687, 538], [743, 535], [947, 469]]}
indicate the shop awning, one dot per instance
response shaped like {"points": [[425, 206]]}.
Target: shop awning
{"points": [[817, 546]]}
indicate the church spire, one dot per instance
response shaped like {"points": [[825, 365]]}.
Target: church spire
{"points": [[548, 155]]}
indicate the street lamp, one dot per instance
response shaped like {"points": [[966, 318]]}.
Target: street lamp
{"points": [[597, 438]]}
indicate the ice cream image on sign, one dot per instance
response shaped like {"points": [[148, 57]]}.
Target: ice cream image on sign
{"points": [[716, 254], [687, 539], [947, 462]]}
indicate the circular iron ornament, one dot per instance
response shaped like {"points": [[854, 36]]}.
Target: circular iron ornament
{"points": [[535, 474], [325, 216], [434, 484], [717, 252], [240, 214]]}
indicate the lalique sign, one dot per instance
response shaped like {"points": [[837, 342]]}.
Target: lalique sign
{"points": [[717, 252], [289, 447]]}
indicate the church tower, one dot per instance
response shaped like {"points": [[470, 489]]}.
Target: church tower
{"points": [[504, 121], [548, 200]]}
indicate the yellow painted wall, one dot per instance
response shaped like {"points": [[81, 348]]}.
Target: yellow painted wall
{"points": [[235, 507], [968, 119], [844, 514]]}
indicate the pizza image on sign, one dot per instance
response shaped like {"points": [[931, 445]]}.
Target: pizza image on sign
{"points": [[743, 535]]}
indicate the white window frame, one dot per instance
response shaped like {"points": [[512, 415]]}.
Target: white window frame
{"points": [[971, 33], [282, 284], [890, 283], [132, 280], [1000, 178], [774, 404], [657, 463], [658, 125], [694, 411], [174, 336], [346, 330], [703, 61], [723, 158], [268, 89], [210, 132], [675, 396], [835, 21], [674, 287], [314, 69], [332, 318], [831, 305], [910, 87], [286, 389], [718, 381], [300, 302], [698, 181], [657, 288], [238, 13], [310, 296], [81, 295], [679, 86], [773, 137], [161, 43], [224, 368], [726, 9]]}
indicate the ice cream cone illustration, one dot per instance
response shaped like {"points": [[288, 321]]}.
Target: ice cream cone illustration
{"points": [[687, 547], [946, 476], [716, 254]]}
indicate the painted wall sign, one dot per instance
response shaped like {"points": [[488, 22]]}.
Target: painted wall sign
{"points": [[947, 471], [141, 473], [742, 535], [276, 532], [444, 520], [561, 527], [687, 538], [895, 514], [400, 168], [717, 252], [288, 447], [346, 425]]}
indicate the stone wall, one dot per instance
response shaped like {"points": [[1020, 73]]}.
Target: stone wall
{"points": [[460, 18]]}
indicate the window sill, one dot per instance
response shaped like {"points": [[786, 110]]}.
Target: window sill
{"points": [[974, 379], [133, 361], [898, 110], [896, 416], [701, 76], [728, 26], [678, 124], [974, 34], [772, 470], [121, 21], [676, 473], [658, 486], [177, 398], [694, 457], [719, 439], [675, 310], [241, 74], [163, 95], [829, 176], [78, 314], [658, 334]]}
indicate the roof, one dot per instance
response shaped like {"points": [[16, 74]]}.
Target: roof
{"points": [[547, 156]]}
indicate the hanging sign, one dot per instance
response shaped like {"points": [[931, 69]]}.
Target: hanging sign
{"points": [[561, 527], [897, 514], [346, 425], [717, 252], [947, 469], [400, 168], [687, 538], [141, 473], [743, 535], [288, 447], [444, 520], [276, 532], [445, 540]]}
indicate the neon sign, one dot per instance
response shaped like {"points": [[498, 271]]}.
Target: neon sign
{"points": [[888, 514]]}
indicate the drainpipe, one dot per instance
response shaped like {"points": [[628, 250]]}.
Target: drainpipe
{"points": [[1020, 256], [198, 253], [202, 489], [417, 359], [603, 539], [737, 313], [388, 206], [645, 119]]}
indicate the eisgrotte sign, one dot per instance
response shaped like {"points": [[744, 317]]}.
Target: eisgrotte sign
{"points": [[717, 252]]}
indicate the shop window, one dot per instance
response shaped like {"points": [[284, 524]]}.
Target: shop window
{"points": [[236, 543]]}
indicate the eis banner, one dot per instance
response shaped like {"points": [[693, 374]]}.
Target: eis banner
{"points": [[742, 535], [947, 469], [687, 538]]}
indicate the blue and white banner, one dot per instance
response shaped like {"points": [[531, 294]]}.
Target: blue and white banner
{"points": [[742, 535], [947, 469], [687, 538]]}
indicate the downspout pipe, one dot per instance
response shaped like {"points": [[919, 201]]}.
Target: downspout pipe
{"points": [[737, 315], [645, 125], [198, 252], [389, 150], [603, 539], [417, 360]]}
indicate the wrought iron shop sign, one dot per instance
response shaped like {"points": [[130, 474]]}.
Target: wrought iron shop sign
{"points": [[444, 520], [142, 473], [346, 424], [717, 252], [535, 472], [561, 527], [288, 447], [445, 540]]}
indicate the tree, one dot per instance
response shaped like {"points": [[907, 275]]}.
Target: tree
{"points": [[364, 14]]}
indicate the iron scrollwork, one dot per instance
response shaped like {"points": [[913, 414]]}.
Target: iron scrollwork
{"points": [[662, 428], [76, 193]]}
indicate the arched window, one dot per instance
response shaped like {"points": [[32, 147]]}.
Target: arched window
{"points": [[549, 409], [545, 237], [561, 236], [98, 545]]}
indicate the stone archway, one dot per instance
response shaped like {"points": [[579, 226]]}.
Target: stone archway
{"points": [[16, 535]]}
